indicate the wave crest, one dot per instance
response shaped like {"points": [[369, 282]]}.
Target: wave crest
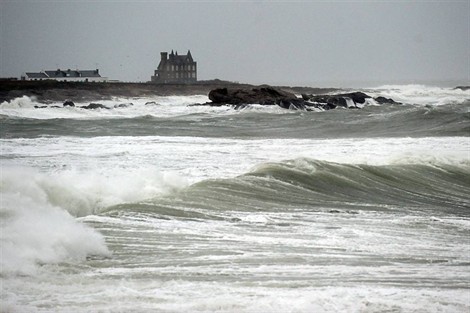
{"points": [[38, 212], [433, 188]]}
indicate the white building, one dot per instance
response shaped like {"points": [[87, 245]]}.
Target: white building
{"points": [[67, 76]]}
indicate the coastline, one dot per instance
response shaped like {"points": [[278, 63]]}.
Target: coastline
{"points": [[54, 91]]}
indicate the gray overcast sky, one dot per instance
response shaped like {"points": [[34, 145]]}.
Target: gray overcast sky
{"points": [[318, 43]]}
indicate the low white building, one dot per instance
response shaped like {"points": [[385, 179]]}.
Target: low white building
{"points": [[67, 75]]}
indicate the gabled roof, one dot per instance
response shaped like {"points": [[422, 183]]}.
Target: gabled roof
{"points": [[64, 73], [36, 75], [176, 59], [58, 73]]}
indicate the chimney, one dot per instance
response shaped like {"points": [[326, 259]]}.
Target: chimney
{"points": [[164, 56]]}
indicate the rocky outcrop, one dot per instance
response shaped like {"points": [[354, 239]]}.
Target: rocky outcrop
{"points": [[383, 100], [240, 98], [123, 105], [264, 96], [350, 100], [151, 103], [93, 106], [345, 100], [49, 91]]}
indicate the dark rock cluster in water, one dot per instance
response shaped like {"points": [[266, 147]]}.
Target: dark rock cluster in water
{"points": [[91, 106], [241, 98]]}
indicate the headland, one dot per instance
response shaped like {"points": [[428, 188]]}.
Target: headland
{"points": [[55, 91]]}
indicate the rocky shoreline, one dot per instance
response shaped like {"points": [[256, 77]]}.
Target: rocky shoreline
{"points": [[240, 98], [219, 92], [53, 91], [267, 96]]}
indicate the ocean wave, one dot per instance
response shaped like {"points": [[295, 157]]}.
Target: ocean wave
{"points": [[82, 193], [431, 187], [372, 121], [175, 106], [422, 94], [38, 212], [35, 231]]}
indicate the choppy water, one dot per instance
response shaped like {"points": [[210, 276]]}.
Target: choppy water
{"points": [[172, 208]]}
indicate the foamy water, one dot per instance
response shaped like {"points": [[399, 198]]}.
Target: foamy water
{"points": [[173, 208]]}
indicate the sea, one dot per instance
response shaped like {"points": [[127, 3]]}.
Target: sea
{"points": [[156, 205]]}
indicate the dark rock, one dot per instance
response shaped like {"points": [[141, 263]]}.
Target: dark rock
{"points": [[151, 103], [286, 100], [335, 211], [294, 104], [123, 105], [383, 100], [462, 88], [240, 98], [219, 95], [329, 102], [68, 103], [338, 101], [357, 97], [241, 106], [40, 107], [268, 102], [264, 95], [285, 104], [93, 106]]}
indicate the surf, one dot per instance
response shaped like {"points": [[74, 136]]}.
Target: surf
{"points": [[40, 212], [320, 186]]}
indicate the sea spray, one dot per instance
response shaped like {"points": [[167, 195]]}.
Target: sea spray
{"points": [[87, 192], [36, 232], [421, 94], [38, 211]]}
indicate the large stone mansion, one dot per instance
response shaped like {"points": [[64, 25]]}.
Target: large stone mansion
{"points": [[175, 68]]}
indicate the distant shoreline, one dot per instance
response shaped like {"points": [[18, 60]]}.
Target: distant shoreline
{"points": [[55, 91], [47, 91]]}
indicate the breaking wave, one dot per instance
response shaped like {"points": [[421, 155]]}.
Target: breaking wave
{"points": [[373, 121], [38, 212], [433, 188], [422, 95]]}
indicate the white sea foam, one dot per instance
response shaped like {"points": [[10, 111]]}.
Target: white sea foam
{"points": [[172, 106], [132, 107], [291, 261], [134, 163], [421, 94], [34, 230], [21, 102], [38, 211], [62, 178], [149, 296], [85, 192]]}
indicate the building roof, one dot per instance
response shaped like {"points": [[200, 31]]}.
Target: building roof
{"points": [[36, 75], [90, 73], [176, 59], [65, 73]]}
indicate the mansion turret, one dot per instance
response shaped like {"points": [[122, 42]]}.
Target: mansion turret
{"points": [[175, 68]]}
